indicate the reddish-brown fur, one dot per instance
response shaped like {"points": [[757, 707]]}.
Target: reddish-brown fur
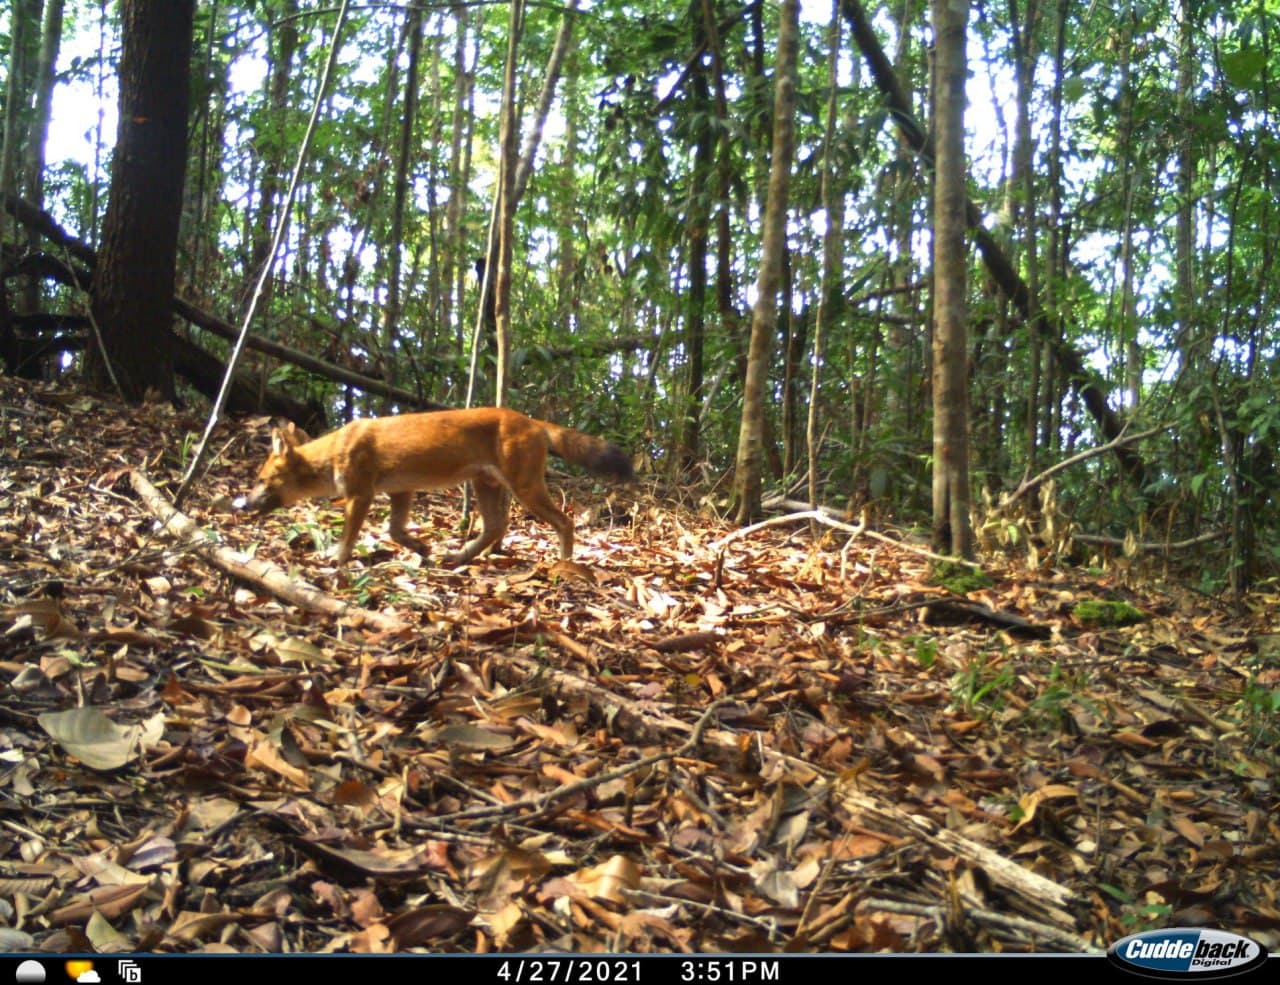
{"points": [[494, 448]]}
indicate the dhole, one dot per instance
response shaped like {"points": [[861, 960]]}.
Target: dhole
{"points": [[495, 448]]}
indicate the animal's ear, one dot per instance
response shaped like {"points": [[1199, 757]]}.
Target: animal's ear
{"points": [[283, 439]]}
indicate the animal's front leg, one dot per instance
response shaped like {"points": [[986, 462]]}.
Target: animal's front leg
{"points": [[357, 508]]}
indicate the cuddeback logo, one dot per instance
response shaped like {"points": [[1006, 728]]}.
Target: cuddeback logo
{"points": [[1187, 953]]}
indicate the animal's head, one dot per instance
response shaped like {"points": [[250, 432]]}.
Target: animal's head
{"points": [[286, 476]]}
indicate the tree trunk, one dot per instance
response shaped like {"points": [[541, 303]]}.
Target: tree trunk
{"points": [[1184, 242], [730, 317], [38, 133], [832, 257], [133, 284], [697, 222], [454, 268], [23, 18], [271, 145], [404, 157], [1022, 195], [951, 528], [567, 214], [500, 272], [764, 319], [1130, 354]]}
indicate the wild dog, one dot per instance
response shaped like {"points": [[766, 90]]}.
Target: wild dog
{"points": [[494, 448]]}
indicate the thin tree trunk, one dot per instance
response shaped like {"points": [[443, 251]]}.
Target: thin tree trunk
{"points": [[832, 258], [730, 317], [453, 269], [764, 320], [697, 224], [23, 19], [567, 217], [1128, 321], [505, 207], [951, 528], [404, 158], [546, 96], [205, 185], [1184, 235], [1022, 194], [272, 148], [38, 132]]}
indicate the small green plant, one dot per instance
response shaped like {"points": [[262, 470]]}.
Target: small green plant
{"points": [[313, 532], [982, 684], [1049, 708], [1138, 916], [1259, 709], [184, 452], [360, 588], [926, 650]]}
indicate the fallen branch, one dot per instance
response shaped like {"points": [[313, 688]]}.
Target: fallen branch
{"points": [[778, 521], [1042, 897], [827, 516], [1152, 546], [253, 570]]}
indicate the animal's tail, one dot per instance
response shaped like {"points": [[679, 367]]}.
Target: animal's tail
{"points": [[593, 454]]}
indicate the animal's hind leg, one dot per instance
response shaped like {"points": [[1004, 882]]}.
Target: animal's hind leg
{"points": [[400, 503], [537, 499], [494, 507]]}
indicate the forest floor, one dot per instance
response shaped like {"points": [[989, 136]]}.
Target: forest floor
{"points": [[674, 744]]}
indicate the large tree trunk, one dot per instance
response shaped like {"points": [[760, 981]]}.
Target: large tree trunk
{"points": [[133, 284], [951, 528], [764, 319]]}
